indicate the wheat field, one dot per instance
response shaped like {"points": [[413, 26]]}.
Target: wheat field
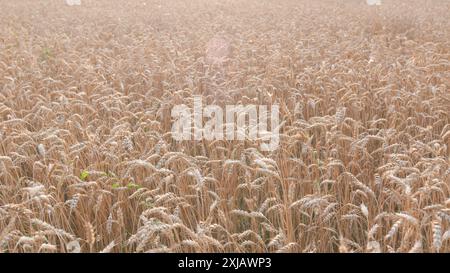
{"points": [[88, 163]]}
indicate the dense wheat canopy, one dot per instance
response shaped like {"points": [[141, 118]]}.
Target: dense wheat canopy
{"points": [[88, 163]]}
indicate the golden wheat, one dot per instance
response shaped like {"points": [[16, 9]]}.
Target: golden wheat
{"points": [[88, 163]]}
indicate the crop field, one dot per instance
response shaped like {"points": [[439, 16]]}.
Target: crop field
{"points": [[88, 162]]}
